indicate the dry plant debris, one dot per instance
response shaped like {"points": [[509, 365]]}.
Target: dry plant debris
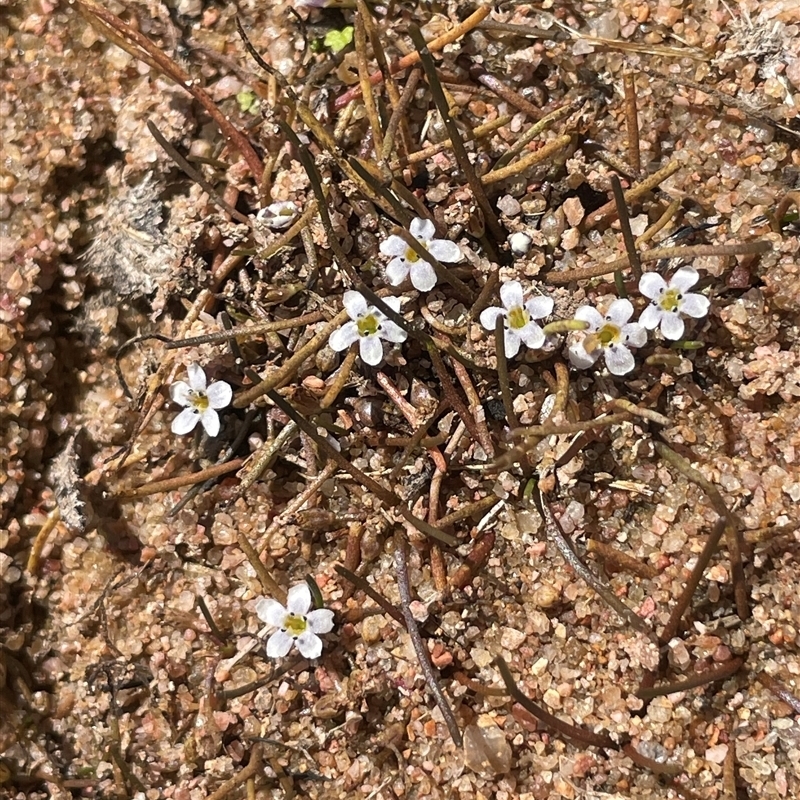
{"points": [[545, 574]]}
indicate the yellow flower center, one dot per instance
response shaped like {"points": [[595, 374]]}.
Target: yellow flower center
{"points": [[518, 318], [411, 256], [609, 334], [295, 625], [199, 399], [671, 300], [368, 325]]}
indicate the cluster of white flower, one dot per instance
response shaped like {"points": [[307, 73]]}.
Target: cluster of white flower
{"points": [[610, 334]]}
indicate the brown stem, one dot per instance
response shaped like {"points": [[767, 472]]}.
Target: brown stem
{"points": [[249, 331], [733, 534], [565, 547], [478, 413], [720, 673], [574, 732], [625, 224], [545, 153], [632, 122], [460, 152], [656, 254], [420, 648], [366, 587], [606, 212], [684, 601], [167, 485], [471, 22], [131, 39], [779, 690], [502, 372]]}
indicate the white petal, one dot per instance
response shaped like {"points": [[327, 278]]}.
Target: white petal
{"points": [[651, 316], [580, 358], [489, 317], [672, 326], [355, 304], [271, 612], [179, 392], [343, 337], [320, 620], [210, 420], [592, 316], [511, 294], [371, 350], [684, 279], [298, 601], [619, 360], [695, 305], [390, 332], [422, 229], [197, 377], [394, 303], [532, 335], [511, 341], [397, 271], [309, 644], [393, 246], [186, 421], [445, 250], [279, 215], [620, 311], [635, 335], [279, 644], [219, 394], [423, 276], [540, 307], [651, 285]]}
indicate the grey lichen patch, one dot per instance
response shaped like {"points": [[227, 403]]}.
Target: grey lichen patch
{"points": [[65, 476], [130, 250]]}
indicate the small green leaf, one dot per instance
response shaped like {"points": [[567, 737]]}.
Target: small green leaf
{"points": [[247, 101], [338, 40], [316, 594]]}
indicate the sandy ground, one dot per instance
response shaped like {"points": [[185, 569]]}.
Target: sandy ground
{"points": [[130, 663]]}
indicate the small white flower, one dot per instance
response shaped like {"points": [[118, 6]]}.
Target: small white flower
{"points": [[406, 262], [278, 216], [670, 301], [611, 335], [296, 623], [519, 316], [201, 402], [368, 326]]}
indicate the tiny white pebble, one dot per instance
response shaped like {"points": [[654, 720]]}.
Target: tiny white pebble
{"points": [[520, 243]]}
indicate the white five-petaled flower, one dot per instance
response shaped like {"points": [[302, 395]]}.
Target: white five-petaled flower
{"points": [[367, 326], [296, 623], [406, 262], [201, 402], [278, 215], [519, 318], [670, 301], [611, 335]]}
